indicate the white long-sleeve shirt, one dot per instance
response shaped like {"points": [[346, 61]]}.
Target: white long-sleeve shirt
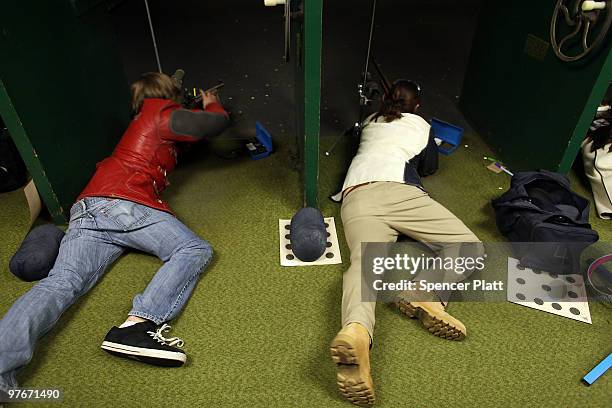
{"points": [[598, 168], [384, 150]]}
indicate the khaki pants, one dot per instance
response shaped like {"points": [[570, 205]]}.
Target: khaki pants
{"points": [[379, 212]]}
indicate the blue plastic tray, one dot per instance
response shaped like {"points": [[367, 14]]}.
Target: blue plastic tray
{"points": [[448, 133], [264, 137]]}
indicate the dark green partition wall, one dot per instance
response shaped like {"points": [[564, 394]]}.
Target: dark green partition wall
{"points": [[63, 94], [531, 107], [313, 21], [308, 44]]}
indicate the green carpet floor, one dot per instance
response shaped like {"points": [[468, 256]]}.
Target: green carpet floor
{"points": [[257, 334]]}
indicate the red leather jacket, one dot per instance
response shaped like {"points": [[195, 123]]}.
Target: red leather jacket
{"points": [[138, 168]]}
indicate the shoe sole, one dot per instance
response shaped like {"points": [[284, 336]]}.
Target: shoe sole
{"points": [[161, 358], [352, 387], [445, 327]]}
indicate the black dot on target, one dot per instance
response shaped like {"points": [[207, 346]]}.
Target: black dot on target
{"points": [[520, 296], [287, 236], [538, 301], [329, 255], [537, 271], [520, 280], [290, 257], [571, 294], [570, 279], [288, 226], [553, 275], [288, 246], [328, 234], [574, 311], [546, 288], [326, 225], [520, 267], [556, 306], [329, 244]]}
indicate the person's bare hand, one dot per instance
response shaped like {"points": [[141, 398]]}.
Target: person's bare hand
{"points": [[208, 97]]}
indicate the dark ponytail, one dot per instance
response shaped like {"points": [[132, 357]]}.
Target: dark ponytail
{"points": [[404, 97]]}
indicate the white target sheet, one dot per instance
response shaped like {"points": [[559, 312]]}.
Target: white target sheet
{"points": [[331, 255], [563, 295]]}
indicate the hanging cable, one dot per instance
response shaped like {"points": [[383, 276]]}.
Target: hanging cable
{"points": [[153, 36], [356, 128], [365, 73], [363, 99]]}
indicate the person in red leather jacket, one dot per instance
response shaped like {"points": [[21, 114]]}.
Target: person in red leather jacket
{"points": [[121, 207]]}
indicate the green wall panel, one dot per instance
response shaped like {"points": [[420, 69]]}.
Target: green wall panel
{"points": [[530, 106], [63, 97]]}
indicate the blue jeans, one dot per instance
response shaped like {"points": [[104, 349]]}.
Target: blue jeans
{"points": [[100, 230]]}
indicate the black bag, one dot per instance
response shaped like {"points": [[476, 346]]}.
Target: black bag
{"points": [[13, 173], [423, 164], [541, 208], [427, 162]]}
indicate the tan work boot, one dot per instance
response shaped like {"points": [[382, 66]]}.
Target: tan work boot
{"points": [[433, 316], [350, 350]]}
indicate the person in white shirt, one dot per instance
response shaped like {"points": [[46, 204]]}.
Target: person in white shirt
{"points": [[381, 199], [597, 159]]}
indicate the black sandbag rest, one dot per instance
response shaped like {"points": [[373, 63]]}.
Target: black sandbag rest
{"points": [[37, 253], [308, 235]]}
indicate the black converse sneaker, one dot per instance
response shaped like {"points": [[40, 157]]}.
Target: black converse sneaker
{"points": [[145, 342]]}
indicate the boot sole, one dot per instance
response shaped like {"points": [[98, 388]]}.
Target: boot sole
{"points": [[445, 327], [155, 357], [350, 382]]}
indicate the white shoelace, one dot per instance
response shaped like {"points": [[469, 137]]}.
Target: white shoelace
{"points": [[159, 336]]}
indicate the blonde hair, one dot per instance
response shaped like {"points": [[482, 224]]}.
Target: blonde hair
{"points": [[153, 85]]}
